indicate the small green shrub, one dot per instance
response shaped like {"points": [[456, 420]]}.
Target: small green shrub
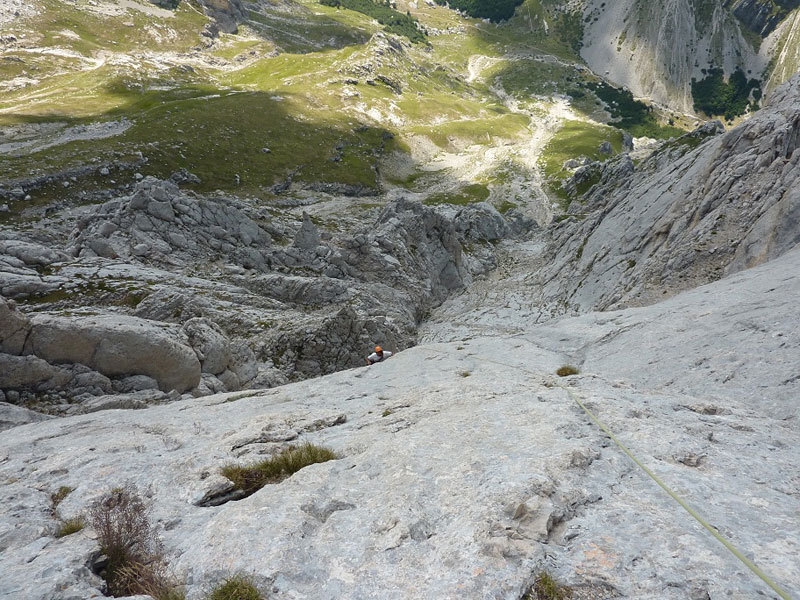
{"points": [[238, 587], [251, 478], [566, 370], [70, 526], [547, 588]]}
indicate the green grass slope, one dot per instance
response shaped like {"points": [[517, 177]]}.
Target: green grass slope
{"points": [[304, 94]]}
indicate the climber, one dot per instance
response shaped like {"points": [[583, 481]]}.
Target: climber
{"points": [[377, 356]]}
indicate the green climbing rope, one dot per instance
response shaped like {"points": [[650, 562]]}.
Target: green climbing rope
{"points": [[747, 562]]}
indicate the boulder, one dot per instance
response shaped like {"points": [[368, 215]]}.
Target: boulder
{"points": [[209, 343], [117, 345], [307, 237], [14, 328], [31, 372], [12, 416]]}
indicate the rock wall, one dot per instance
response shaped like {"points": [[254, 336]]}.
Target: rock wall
{"points": [[655, 49], [761, 16], [183, 293], [676, 222]]}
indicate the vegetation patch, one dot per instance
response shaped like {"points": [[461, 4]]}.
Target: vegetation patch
{"points": [[237, 587], [569, 27], [65, 526], [576, 139], [567, 370], [393, 21], [222, 136], [70, 526], [496, 10], [297, 30], [59, 495], [135, 558], [545, 587], [714, 96], [251, 478], [631, 114], [469, 194]]}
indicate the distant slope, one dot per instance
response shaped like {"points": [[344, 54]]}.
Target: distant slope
{"points": [[655, 49]]}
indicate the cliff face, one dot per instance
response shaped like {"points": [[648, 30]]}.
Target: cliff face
{"points": [[656, 49], [675, 222], [761, 16]]}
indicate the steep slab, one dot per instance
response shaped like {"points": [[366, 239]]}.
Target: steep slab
{"points": [[465, 467]]}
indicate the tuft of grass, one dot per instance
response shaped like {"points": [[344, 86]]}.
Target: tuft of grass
{"points": [[547, 588], [70, 526], [237, 587], [567, 370], [251, 478], [59, 495], [150, 580]]}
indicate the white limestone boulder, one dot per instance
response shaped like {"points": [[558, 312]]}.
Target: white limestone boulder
{"points": [[116, 346]]}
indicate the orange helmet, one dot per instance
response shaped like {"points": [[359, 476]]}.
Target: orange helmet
{"points": [[378, 349]]}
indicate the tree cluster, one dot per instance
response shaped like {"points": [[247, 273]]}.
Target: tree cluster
{"points": [[714, 96], [392, 20], [494, 10]]}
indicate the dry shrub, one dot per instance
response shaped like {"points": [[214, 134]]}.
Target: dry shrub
{"points": [[135, 556], [153, 579]]}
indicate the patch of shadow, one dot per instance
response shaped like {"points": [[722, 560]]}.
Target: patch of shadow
{"points": [[325, 423], [322, 512], [705, 409]]}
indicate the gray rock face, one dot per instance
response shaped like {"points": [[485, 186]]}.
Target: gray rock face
{"points": [[116, 346], [210, 344], [14, 328], [14, 416], [730, 204], [761, 16], [21, 372], [465, 467], [254, 310]]}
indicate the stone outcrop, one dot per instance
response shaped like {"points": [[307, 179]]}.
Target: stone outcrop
{"points": [[677, 222], [116, 346], [218, 295], [227, 14]]}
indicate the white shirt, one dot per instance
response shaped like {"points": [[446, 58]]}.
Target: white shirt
{"points": [[375, 357]]}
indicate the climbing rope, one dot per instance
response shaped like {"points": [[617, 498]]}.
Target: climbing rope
{"points": [[735, 551]]}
